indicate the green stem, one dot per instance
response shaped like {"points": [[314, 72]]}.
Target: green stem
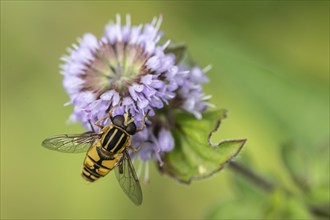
{"points": [[251, 176]]}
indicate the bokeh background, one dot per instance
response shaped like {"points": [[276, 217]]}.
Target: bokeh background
{"points": [[270, 71]]}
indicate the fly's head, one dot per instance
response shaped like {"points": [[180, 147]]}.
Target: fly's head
{"points": [[125, 122]]}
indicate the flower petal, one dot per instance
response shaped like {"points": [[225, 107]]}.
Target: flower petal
{"points": [[165, 140]]}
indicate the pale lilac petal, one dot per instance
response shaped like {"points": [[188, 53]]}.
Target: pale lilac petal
{"points": [[89, 41], [115, 98], [153, 63], [165, 140], [107, 96], [143, 103], [127, 101], [157, 84], [147, 79], [132, 93]]}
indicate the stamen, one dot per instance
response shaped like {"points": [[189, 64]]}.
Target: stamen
{"points": [[65, 58], [157, 38], [154, 20], [185, 72], [68, 103], [207, 97], [128, 20], [210, 105], [154, 139], [159, 22], [157, 155], [139, 170], [118, 19], [146, 173], [75, 46], [166, 44], [207, 68]]}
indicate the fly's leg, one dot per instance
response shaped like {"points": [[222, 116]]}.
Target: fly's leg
{"points": [[107, 116], [135, 150], [111, 110], [143, 122], [101, 119]]}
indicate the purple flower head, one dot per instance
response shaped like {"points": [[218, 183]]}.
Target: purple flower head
{"points": [[189, 95], [128, 66]]}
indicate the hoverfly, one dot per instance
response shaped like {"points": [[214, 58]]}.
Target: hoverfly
{"points": [[106, 150]]}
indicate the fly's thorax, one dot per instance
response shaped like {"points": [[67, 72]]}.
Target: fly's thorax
{"points": [[114, 140]]}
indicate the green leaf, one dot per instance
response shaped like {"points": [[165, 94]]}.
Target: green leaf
{"points": [[194, 156], [282, 205], [309, 168]]}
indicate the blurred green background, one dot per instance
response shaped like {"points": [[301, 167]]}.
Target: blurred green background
{"points": [[270, 70]]}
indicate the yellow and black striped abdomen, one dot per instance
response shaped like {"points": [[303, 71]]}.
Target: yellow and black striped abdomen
{"points": [[104, 155]]}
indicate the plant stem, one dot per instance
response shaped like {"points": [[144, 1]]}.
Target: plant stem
{"points": [[251, 176]]}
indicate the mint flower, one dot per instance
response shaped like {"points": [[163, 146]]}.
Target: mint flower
{"points": [[190, 93], [126, 65], [129, 68]]}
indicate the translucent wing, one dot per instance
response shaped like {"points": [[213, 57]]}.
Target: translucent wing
{"points": [[71, 143], [128, 180]]}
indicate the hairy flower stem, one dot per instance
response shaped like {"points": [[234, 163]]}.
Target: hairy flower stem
{"points": [[252, 177]]}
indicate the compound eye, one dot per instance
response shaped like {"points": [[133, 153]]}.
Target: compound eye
{"points": [[118, 120], [131, 128]]}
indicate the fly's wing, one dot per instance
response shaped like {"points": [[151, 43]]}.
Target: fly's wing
{"points": [[127, 179], [71, 143]]}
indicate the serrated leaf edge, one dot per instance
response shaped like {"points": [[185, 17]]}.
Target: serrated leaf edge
{"points": [[222, 165]]}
